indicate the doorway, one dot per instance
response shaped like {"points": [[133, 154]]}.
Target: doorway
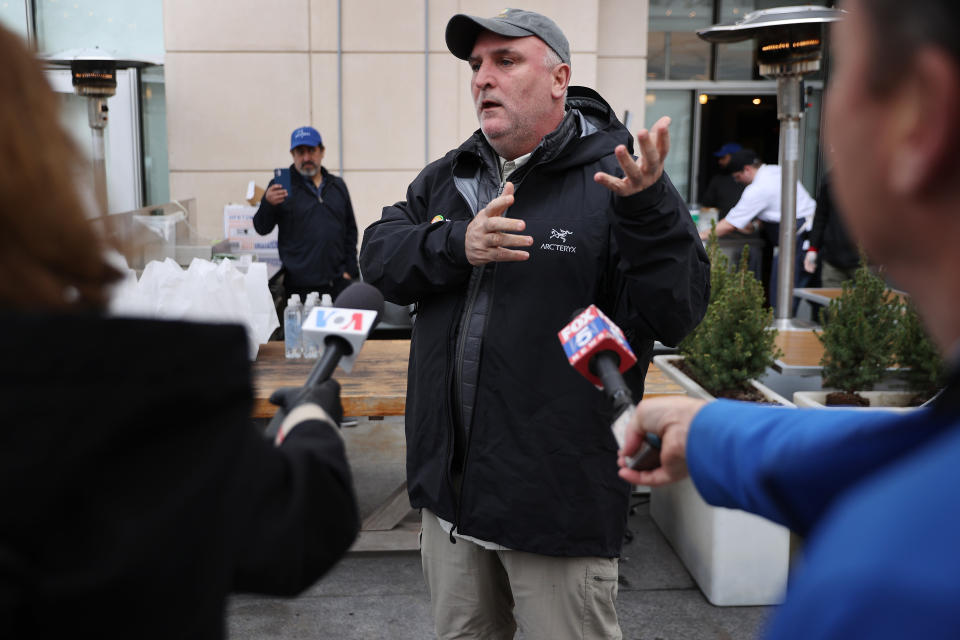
{"points": [[747, 119]]}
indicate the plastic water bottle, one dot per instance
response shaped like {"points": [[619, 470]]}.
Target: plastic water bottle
{"points": [[310, 348], [292, 319], [326, 301]]}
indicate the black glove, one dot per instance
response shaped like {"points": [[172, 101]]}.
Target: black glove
{"points": [[326, 394]]}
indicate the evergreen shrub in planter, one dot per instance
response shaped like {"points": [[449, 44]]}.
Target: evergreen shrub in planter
{"points": [[918, 356], [736, 558], [734, 343], [859, 337]]}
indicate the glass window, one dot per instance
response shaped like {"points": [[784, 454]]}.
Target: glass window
{"points": [[674, 50], [679, 106], [656, 55], [154, 112], [120, 27], [13, 15], [811, 139]]}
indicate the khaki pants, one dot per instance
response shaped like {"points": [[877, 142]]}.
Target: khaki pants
{"points": [[476, 593]]}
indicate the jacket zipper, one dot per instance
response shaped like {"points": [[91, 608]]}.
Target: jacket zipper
{"points": [[461, 343]]}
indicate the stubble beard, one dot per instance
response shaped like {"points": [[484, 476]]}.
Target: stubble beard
{"points": [[307, 172]]}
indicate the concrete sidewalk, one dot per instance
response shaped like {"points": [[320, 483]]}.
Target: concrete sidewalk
{"points": [[373, 596]]}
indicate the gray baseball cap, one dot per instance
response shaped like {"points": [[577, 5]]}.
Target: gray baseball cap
{"points": [[462, 31]]}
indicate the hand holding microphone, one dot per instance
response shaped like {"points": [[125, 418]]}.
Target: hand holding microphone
{"points": [[669, 419], [597, 348], [315, 402], [342, 329]]}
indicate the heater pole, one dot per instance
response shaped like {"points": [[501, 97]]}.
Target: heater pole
{"points": [[97, 117]]}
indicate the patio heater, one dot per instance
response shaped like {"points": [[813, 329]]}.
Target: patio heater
{"points": [[789, 45], [94, 76]]}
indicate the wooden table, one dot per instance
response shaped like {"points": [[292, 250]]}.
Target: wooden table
{"points": [[823, 295], [658, 384], [377, 386], [802, 352]]}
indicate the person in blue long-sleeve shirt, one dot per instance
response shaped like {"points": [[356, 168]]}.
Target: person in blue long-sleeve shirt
{"points": [[874, 494]]}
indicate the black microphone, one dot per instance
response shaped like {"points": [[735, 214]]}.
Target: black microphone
{"points": [[593, 339], [343, 334], [338, 344]]}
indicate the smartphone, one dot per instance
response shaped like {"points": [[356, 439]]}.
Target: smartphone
{"points": [[282, 177]]}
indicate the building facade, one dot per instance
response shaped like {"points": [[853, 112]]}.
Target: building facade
{"points": [[225, 81]]}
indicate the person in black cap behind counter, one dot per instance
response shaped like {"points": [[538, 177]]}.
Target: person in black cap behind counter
{"points": [[723, 191], [509, 450]]}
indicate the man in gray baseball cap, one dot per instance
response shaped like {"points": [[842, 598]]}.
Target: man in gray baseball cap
{"points": [[462, 31], [510, 455]]}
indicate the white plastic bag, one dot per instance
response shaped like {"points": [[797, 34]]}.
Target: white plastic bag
{"points": [[205, 292]]}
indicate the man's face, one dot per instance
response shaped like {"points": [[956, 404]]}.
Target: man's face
{"points": [[746, 175], [723, 161], [512, 89], [307, 159], [855, 126]]}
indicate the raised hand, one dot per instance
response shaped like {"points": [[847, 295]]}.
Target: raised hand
{"points": [[647, 168]]}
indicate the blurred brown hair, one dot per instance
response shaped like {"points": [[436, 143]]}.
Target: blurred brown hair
{"points": [[50, 256]]}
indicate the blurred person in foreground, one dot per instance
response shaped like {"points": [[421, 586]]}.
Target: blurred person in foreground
{"points": [[135, 492], [874, 494]]}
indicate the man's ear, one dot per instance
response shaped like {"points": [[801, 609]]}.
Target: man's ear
{"points": [[925, 122], [561, 79]]}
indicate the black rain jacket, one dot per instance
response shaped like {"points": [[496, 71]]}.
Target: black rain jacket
{"points": [[491, 400]]}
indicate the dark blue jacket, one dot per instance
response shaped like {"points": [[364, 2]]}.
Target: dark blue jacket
{"points": [[318, 236], [490, 396], [875, 495]]}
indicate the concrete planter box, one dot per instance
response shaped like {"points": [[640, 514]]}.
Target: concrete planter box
{"points": [[879, 400], [693, 389], [736, 558]]}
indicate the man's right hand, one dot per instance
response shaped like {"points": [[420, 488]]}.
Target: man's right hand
{"points": [[275, 194], [489, 234], [668, 418]]}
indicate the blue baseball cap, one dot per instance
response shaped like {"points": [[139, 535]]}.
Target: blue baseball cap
{"points": [[730, 147], [307, 136]]}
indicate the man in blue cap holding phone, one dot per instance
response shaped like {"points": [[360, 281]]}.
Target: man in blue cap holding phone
{"points": [[318, 231]]}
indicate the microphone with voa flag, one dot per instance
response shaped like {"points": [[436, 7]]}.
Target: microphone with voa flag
{"points": [[596, 347], [341, 330]]}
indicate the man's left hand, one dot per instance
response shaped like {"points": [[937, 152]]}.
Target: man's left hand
{"points": [[647, 168]]}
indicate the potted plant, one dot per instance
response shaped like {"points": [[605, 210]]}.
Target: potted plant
{"points": [[736, 558], [919, 359], [734, 344], [859, 339]]}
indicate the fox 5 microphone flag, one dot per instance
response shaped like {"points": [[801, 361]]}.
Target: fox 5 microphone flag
{"points": [[589, 333]]}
